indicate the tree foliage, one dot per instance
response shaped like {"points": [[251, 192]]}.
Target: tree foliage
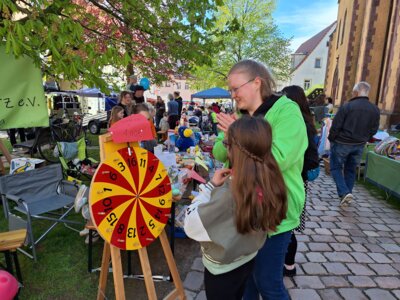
{"points": [[76, 39], [252, 34]]}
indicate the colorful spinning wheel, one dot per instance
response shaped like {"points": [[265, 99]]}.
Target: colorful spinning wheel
{"points": [[130, 198]]}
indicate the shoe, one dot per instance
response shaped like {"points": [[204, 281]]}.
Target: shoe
{"points": [[289, 273], [95, 237], [84, 232], [346, 200]]}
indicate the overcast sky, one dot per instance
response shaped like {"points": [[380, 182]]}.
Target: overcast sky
{"points": [[301, 19]]}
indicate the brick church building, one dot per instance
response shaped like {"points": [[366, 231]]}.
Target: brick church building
{"points": [[366, 47]]}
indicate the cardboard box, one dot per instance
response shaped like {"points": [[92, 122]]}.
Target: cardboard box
{"points": [[22, 164]]}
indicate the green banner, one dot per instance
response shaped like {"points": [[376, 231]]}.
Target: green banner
{"points": [[22, 101]]}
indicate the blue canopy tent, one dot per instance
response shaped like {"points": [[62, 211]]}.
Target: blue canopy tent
{"points": [[89, 92], [110, 100], [214, 93]]}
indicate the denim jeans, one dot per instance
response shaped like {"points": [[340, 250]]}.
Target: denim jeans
{"points": [[267, 277], [344, 160]]}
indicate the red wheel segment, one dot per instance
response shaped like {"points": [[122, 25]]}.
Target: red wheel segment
{"points": [[130, 198]]}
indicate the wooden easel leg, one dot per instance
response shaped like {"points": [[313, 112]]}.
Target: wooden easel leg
{"points": [[172, 266], [6, 154], [117, 273], [2, 168], [148, 279], [105, 261]]}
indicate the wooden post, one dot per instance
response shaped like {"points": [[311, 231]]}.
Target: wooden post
{"points": [[146, 269], [105, 261], [117, 273]]}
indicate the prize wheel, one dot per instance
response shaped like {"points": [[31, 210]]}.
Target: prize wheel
{"points": [[130, 198]]}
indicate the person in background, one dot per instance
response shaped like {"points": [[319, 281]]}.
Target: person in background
{"points": [[160, 110], [117, 113], [213, 119], [132, 82], [125, 101], [152, 110], [310, 168], [251, 86], [146, 109], [138, 91], [198, 112], [143, 109], [13, 131], [329, 106], [173, 112], [355, 123], [179, 100], [164, 126], [215, 108], [235, 210], [192, 105]]}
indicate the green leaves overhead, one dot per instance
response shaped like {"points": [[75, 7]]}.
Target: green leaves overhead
{"points": [[76, 39], [248, 32]]}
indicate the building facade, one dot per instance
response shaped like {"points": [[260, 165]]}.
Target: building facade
{"points": [[366, 47], [176, 83], [310, 60]]}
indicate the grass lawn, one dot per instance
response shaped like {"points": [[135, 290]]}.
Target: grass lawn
{"points": [[61, 269], [7, 144], [396, 134]]}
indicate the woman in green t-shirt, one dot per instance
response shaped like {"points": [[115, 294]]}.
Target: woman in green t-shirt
{"points": [[252, 86]]}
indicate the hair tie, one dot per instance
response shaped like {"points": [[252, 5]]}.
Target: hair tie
{"points": [[260, 195]]}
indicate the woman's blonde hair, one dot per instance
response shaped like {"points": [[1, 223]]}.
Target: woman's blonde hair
{"points": [[257, 183], [255, 69], [114, 115]]}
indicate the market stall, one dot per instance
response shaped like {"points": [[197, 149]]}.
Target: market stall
{"points": [[213, 93], [383, 172]]}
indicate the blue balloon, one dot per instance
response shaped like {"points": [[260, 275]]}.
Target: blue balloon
{"points": [[145, 83]]}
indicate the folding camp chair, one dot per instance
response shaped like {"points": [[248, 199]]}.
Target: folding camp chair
{"points": [[74, 160], [37, 194]]}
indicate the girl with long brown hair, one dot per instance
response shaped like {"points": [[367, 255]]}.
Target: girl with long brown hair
{"points": [[117, 113], [235, 211], [252, 88]]}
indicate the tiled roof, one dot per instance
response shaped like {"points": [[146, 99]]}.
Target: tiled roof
{"points": [[308, 46]]}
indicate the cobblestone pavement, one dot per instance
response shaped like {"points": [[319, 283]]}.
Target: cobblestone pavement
{"points": [[344, 253]]}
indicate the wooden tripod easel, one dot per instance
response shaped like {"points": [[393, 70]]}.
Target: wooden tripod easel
{"points": [[114, 253]]}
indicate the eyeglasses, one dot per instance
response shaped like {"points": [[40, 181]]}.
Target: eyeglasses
{"points": [[234, 90]]}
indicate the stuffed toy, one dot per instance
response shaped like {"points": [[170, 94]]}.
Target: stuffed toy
{"points": [[186, 138]]}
